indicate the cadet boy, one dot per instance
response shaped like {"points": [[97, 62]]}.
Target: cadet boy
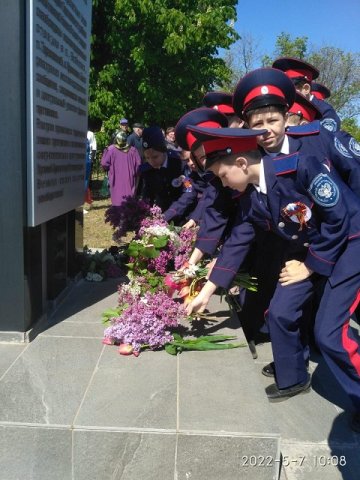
{"points": [[303, 200], [263, 98], [302, 74]]}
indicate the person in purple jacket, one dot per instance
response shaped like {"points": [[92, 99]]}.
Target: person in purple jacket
{"points": [[122, 163]]}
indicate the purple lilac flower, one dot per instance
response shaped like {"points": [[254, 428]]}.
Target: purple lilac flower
{"points": [[147, 322]]}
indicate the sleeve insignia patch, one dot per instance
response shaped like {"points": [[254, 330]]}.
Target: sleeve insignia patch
{"points": [[329, 124], [341, 149], [324, 190], [354, 147]]}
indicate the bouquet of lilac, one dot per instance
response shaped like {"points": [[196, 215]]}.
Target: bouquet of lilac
{"points": [[146, 323], [126, 217], [159, 247]]}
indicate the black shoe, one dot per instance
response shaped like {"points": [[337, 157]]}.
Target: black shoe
{"points": [[276, 394], [355, 422], [269, 369]]}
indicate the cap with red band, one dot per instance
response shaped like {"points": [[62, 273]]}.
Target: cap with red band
{"points": [[303, 107], [206, 117], [220, 101], [221, 142], [320, 91], [263, 87], [296, 69]]}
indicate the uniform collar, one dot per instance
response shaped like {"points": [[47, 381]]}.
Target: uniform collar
{"points": [[284, 150], [262, 183]]}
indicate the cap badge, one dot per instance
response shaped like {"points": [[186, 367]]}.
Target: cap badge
{"points": [[145, 144], [264, 90]]}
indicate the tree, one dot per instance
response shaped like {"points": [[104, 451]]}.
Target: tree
{"points": [[339, 71], [242, 57], [152, 60], [286, 47]]}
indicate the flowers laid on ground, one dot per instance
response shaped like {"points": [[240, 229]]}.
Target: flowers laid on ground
{"points": [[151, 306], [147, 322], [98, 265]]}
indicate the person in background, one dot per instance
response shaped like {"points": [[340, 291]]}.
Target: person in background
{"points": [[135, 139], [170, 139], [93, 147], [124, 125], [122, 162]]}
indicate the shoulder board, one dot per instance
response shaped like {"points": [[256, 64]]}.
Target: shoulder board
{"points": [[286, 164], [145, 167], [308, 129]]}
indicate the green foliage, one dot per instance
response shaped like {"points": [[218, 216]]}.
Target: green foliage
{"points": [[203, 343], [350, 126], [151, 60], [339, 70]]}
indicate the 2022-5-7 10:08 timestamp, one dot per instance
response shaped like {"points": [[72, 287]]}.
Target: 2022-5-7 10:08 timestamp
{"points": [[300, 461]]}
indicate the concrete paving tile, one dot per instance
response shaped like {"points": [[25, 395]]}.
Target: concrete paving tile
{"points": [[29, 453], [202, 457], [76, 329], [219, 390], [320, 462], [132, 392], [308, 418], [87, 301], [48, 381], [8, 354], [130, 456]]}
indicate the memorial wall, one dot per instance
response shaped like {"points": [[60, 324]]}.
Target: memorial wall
{"points": [[58, 55]]}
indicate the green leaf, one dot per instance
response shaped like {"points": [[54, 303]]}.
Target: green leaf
{"points": [[171, 349], [160, 242]]}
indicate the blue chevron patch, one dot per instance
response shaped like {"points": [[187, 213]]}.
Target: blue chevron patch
{"points": [[286, 164], [308, 129]]}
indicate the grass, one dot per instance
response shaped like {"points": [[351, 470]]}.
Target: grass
{"points": [[97, 233]]}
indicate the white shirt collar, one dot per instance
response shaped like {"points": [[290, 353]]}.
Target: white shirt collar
{"points": [[262, 184], [285, 148]]}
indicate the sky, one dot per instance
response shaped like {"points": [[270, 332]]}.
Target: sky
{"points": [[333, 23]]}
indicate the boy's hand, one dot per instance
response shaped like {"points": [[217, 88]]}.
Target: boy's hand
{"points": [[293, 272], [189, 224], [197, 305]]}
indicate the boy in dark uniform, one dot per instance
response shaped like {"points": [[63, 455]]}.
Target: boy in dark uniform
{"points": [[302, 74], [304, 201], [159, 176], [261, 98]]}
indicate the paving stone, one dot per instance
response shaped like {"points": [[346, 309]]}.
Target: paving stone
{"points": [[201, 457], [76, 329], [132, 392], [219, 390], [8, 354], [87, 301], [29, 453], [119, 455], [47, 383]]}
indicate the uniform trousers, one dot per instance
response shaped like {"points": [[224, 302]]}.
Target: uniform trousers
{"points": [[337, 341]]}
